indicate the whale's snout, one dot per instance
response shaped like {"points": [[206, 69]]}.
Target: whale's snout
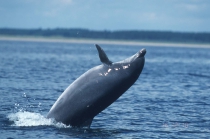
{"points": [[142, 52]]}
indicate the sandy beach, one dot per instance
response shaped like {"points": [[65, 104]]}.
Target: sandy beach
{"points": [[97, 41]]}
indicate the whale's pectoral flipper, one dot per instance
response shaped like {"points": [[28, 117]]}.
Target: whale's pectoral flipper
{"points": [[103, 57]]}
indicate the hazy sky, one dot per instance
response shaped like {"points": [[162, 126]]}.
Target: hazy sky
{"points": [[168, 15]]}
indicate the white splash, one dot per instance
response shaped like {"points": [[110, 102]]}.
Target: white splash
{"points": [[24, 118]]}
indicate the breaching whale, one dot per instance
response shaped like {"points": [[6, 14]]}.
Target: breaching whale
{"points": [[96, 89]]}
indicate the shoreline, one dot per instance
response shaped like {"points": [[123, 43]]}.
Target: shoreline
{"points": [[98, 41]]}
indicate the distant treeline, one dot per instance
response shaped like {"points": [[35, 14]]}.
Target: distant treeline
{"points": [[166, 36]]}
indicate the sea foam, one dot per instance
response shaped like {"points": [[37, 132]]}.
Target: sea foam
{"points": [[24, 118]]}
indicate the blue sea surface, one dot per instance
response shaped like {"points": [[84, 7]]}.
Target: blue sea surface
{"points": [[171, 98]]}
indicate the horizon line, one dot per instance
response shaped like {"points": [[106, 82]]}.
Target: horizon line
{"points": [[104, 30]]}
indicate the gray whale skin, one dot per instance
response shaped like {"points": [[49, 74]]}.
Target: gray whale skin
{"points": [[96, 89]]}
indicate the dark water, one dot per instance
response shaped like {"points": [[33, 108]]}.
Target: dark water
{"points": [[171, 99]]}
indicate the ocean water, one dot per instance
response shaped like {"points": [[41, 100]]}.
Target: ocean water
{"points": [[171, 99]]}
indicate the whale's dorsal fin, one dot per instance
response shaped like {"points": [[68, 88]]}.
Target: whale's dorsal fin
{"points": [[102, 55]]}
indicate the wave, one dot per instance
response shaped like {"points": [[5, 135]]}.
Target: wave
{"points": [[27, 119]]}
